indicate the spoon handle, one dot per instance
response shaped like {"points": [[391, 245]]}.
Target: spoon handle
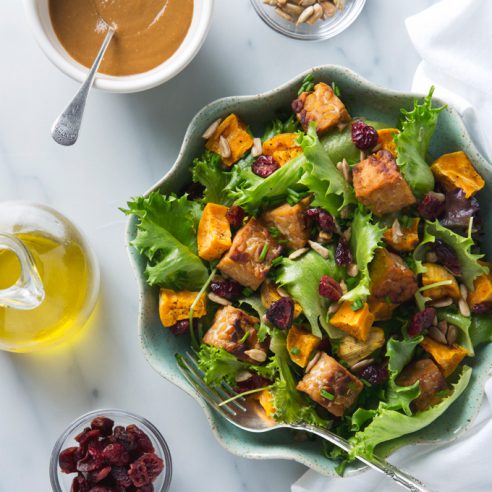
{"points": [[65, 130]]}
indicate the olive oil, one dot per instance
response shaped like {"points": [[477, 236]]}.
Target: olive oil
{"points": [[65, 273]]}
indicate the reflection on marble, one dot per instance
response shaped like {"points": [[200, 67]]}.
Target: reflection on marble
{"points": [[127, 143]]}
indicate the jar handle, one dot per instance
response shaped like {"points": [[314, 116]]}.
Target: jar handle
{"points": [[28, 291]]}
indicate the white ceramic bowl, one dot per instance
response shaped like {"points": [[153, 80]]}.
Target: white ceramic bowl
{"points": [[39, 19]]}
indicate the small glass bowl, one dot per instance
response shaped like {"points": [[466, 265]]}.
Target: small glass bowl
{"points": [[320, 30], [62, 482]]}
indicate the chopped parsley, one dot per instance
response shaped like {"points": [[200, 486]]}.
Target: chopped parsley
{"points": [[326, 394], [295, 351], [264, 252]]}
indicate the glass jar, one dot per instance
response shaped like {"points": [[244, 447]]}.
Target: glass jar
{"points": [[61, 482], [49, 277]]}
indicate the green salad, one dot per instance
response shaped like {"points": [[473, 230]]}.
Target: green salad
{"points": [[327, 268]]}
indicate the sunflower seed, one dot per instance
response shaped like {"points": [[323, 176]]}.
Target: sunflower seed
{"points": [[396, 232], [463, 291], [317, 14], [347, 234], [445, 302], [293, 9], [284, 15], [434, 321], [438, 196], [312, 362], [339, 4], [329, 10], [218, 300], [306, 14], [281, 3], [443, 326], [333, 308], [452, 335], [257, 148], [242, 376], [273, 3], [256, 355], [431, 257], [352, 270], [464, 308], [436, 335], [362, 155], [224, 148], [211, 129], [321, 250], [345, 212], [307, 3], [282, 292], [361, 365], [324, 237], [344, 287], [298, 253], [344, 168]]}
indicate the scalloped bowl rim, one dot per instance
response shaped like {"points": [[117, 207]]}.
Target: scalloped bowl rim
{"points": [[212, 417]]}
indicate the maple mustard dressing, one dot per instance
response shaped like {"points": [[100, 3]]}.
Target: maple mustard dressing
{"points": [[148, 32]]}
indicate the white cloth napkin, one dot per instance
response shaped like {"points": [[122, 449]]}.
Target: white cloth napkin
{"points": [[454, 39]]}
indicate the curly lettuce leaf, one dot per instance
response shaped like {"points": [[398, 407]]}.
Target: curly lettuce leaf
{"points": [[389, 424], [481, 329], [365, 239], [301, 278], [463, 324], [291, 406], [400, 353], [219, 366], [331, 190], [255, 302], [470, 266], [413, 142], [208, 171], [166, 236]]}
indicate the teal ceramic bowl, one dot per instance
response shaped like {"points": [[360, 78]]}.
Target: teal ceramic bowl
{"points": [[159, 345]]}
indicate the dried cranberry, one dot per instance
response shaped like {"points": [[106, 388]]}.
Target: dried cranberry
{"points": [[281, 313], [330, 288], [313, 212], [482, 308], [87, 436], [228, 289], [79, 484], [364, 136], [235, 215], [138, 474], [143, 442], [421, 321], [297, 105], [447, 257], [101, 488], [89, 463], [183, 326], [146, 488], [375, 374], [99, 475], [120, 476], [116, 454], [431, 207], [68, 460], [459, 209], [326, 221], [264, 166], [153, 464], [343, 255], [252, 383], [127, 439], [103, 424]]}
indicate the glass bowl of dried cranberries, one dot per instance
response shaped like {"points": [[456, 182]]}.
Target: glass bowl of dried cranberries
{"points": [[311, 20], [110, 451]]}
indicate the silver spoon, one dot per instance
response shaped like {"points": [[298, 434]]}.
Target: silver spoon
{"points": [[65, 130]]}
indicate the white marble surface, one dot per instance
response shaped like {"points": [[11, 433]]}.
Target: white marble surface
{"points": [[128, 142]]}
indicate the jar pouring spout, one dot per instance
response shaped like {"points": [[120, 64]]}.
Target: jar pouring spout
{"points": [[28, 292]]}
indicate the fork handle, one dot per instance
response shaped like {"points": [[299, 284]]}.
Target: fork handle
{"points": [[378, 464]]}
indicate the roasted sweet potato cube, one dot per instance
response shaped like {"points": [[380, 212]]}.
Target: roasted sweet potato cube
{"points": [[406, 241], [322, 106], [455, 170], [431, 382], [228, 332], [331, 385], [356, 323], [244, 261], [386, 139], [447, 358], [482, 292], [300, 345], [379, 184], [381, 308], [391, 278], [214, 232], [267, 402], [436, 273], [352, 350], [175, 306], [270, 294], [237, 136], [282, 147], [291, 222]]}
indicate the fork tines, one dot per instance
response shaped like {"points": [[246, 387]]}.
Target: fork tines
{"points": [[214, 395]]}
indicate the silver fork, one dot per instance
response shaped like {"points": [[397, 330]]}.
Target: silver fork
{"points": [[247, 414]]}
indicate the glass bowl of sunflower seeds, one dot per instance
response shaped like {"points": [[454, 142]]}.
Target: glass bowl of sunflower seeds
{"points": [[310, 20]]}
